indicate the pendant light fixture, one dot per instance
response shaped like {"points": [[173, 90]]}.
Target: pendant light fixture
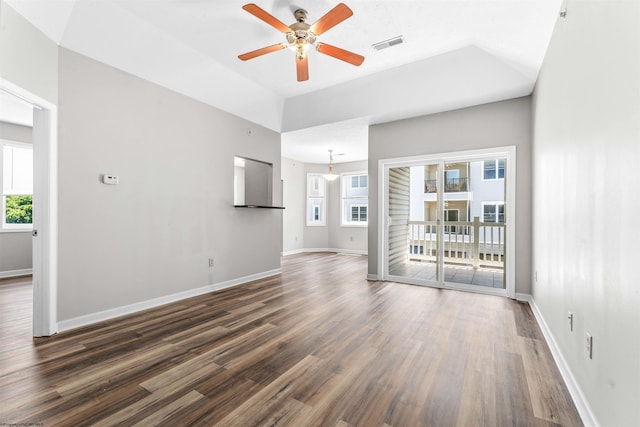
{"points": [[330, 176]]}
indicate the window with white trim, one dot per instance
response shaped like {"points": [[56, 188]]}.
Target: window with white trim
{"points": [[493, 169], [355, 199], [316, 199], [16, 184], [493, 211]]}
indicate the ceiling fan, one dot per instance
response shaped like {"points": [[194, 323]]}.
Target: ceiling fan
{"points": [[300, 36]]}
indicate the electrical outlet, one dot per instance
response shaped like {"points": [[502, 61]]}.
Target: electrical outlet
{"points": [[570, 317], [589, 342], [210, 262]]}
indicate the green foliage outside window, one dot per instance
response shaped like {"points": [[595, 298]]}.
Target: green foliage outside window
{"points": [[19, 209]]}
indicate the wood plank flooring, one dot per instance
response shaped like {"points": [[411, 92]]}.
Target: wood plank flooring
{"points": [[317, 345]]}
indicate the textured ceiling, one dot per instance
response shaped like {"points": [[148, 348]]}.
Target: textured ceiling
{"points": [[455, 54]]}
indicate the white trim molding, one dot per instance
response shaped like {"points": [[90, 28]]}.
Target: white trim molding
{"points": [[15, 273], [579, 399], [100, 316], [293, 252], [336, 250]]}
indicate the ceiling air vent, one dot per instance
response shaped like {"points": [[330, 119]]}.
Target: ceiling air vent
{"points": [[388, 43]]}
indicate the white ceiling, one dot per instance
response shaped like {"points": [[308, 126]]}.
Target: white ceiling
{"points": [[456, 54]]}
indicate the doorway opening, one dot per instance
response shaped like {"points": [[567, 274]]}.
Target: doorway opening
{"points": [[449, 220], [45, 189]]}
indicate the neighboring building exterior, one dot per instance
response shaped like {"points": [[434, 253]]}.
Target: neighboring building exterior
{"points": [[472, 189]]}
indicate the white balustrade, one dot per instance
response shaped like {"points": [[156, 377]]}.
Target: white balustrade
{"points": [[479, 244]]}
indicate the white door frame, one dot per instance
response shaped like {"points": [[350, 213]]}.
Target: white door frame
{"points": [[45, 209], [508, 152]]}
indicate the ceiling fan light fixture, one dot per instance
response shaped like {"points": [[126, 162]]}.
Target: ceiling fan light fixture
{"points": [[300, 35]]}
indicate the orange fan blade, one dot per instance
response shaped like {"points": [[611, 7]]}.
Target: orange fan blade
{"points": [[260, 13], [302, 67], [341, 54], [331, 19], [260, 52]]}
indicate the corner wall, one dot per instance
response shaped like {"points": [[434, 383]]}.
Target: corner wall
{"points": [[332, 236], [586, 153], [151, 235], [485, 126]]}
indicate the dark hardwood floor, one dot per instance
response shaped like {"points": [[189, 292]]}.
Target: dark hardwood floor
{"points": [[315, 346]]}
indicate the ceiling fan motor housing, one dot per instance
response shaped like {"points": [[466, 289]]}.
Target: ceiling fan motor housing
{"points": [[300, 15], [300, 33]]}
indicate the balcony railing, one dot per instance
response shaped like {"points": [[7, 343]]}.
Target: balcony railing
{"points": [[452, 185], [480, 244]]}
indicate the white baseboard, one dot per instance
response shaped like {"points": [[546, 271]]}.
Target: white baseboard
{"points": [[293, 252], [100, 316], [15, 273], [373, 277], [336, 250], [579, 399]]}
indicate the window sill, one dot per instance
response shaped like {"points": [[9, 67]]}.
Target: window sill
{"points": [[354, 225], [16, 230]]}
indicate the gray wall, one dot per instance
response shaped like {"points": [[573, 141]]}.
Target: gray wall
{"points": [[15, 246], [293, 219], [346, 238], [485, 126], [29, 59], [258, 183], [15, 253], [586, 154], [152, 234]]}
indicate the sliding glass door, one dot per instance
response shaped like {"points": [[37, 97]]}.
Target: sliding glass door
{"points": [[446, 220]]}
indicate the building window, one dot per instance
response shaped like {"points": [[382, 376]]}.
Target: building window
{"points": [[493, 211], [493, 169], [316, 196], [451, 215], [355, 199], [16, 182], [358, 213]]}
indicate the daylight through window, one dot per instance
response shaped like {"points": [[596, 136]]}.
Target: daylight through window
{"points": [[17, 185], [493, 169], [355, 199], [316, 199]]}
